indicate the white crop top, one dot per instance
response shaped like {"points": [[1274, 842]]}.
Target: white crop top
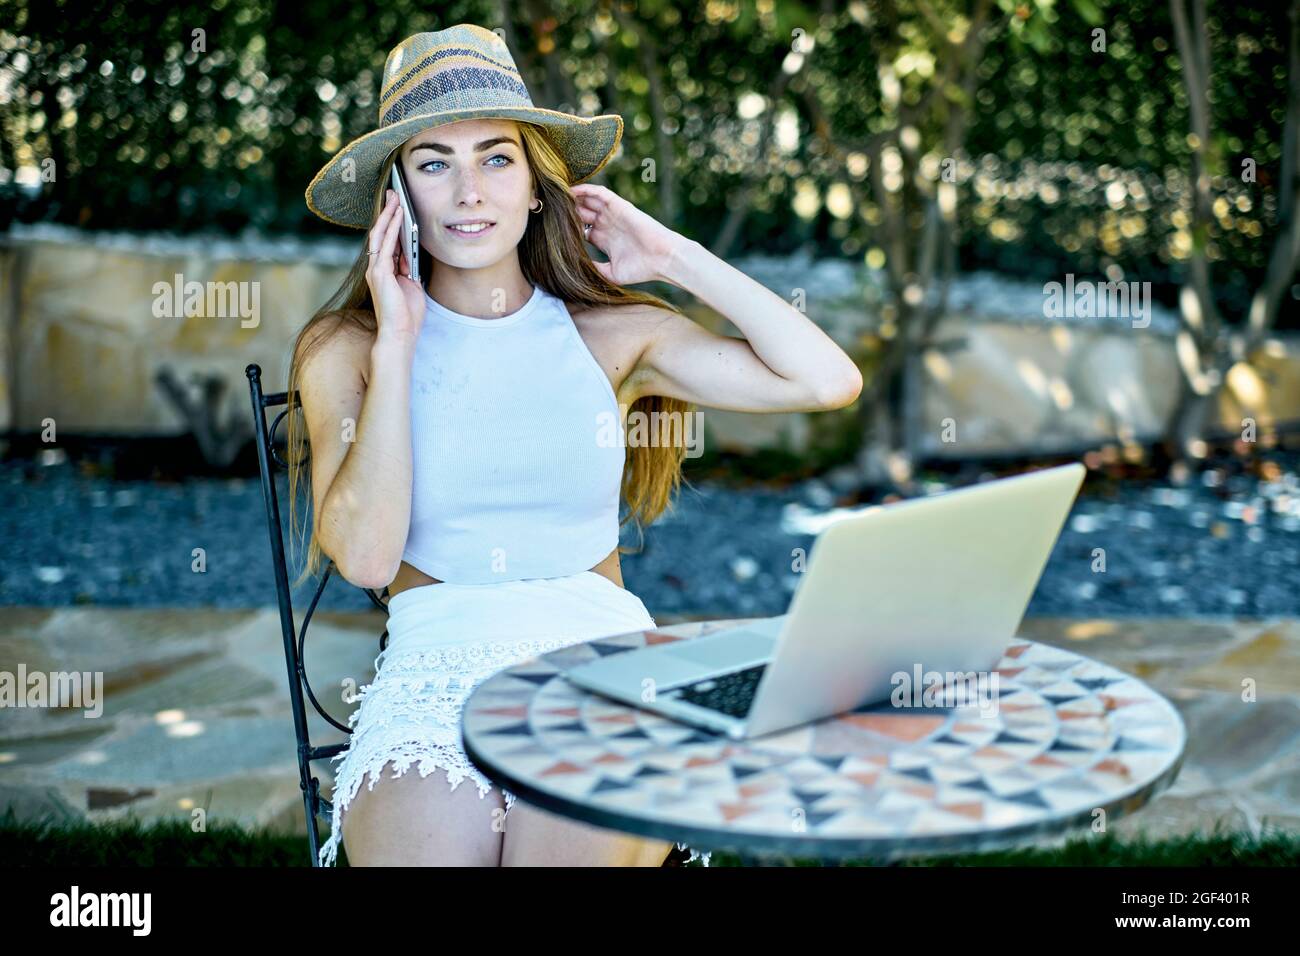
{"points": [[517, 447]]}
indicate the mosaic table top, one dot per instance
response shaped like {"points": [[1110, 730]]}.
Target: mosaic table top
{"points": [[1069, 738]]}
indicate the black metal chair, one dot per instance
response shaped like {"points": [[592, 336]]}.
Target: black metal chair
{"points": [[295, 644]]}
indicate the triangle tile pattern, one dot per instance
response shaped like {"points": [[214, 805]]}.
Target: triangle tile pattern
{"points": [[1068, 735]]}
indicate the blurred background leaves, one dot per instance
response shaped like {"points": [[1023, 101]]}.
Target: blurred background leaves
{"points": [[1077, 157]]}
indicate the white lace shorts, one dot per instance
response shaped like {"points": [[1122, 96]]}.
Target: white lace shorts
{"points": [[443, 641]]}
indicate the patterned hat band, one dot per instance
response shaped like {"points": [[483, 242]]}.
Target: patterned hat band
{"points": [[454, 77], [430, 79]]}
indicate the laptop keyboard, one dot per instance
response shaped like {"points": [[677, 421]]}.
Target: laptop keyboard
{"points": [[732, 694]]}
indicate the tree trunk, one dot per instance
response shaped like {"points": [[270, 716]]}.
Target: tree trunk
{"points": [[1187, 423], [1197, 406], [882, 421]]}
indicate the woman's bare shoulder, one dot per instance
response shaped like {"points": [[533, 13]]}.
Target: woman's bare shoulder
{"points": [[626, 319], [335, 344]]}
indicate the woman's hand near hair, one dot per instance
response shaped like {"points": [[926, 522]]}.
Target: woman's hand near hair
{"points": [[398, 299], [640, 248]]}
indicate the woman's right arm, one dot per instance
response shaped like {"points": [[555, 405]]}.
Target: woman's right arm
{"points": [[360, 453], [357, 403]]}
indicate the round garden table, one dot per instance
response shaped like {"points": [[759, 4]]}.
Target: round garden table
{"points": [[1068, 739]]}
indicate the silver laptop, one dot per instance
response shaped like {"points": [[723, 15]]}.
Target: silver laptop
{"points": [[940, 581]]}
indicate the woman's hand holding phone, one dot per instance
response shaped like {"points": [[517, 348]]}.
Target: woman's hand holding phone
{"points": [[398, 299]]}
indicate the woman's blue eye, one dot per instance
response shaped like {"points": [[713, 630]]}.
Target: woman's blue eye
{"points": [[507, 162]]}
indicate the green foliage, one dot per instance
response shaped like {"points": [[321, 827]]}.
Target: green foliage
{"points": [[133, 843], [1220, 848], [1080, 122], [148, 128]]}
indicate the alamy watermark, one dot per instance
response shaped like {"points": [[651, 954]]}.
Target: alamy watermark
{"points": [[55, 689], [130, 909], [945, 689], [1098, 300], [216, 300], [651, 430]]}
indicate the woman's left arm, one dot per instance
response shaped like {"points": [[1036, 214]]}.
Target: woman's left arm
{"points": [[785, 362]]}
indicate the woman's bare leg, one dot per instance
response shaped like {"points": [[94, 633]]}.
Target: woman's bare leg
{"points": [[535, 837], [410, 820]]}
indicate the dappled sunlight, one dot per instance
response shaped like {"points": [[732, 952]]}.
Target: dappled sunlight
{"points": [[1088, 630], [1061, 394], [188, 728], [1032, 376], [1246, 385], [937, 364], [1118, 400], [1062, 341], [800, 519]]}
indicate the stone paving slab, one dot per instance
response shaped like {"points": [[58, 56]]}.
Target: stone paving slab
{"points": [[195, 712], [1241, 770]]}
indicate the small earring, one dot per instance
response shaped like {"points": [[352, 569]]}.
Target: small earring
{"points": [[540, 204]]}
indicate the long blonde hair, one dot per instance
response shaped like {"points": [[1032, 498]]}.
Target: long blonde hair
{"points": [[552, 255]]}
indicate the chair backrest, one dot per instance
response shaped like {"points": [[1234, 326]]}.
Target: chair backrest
{"points": [[268, 459]]}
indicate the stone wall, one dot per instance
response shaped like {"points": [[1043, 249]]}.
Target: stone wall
{"points": [[85, 347]]}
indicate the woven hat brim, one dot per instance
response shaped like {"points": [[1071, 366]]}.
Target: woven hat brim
{"points": [[587, 142]]}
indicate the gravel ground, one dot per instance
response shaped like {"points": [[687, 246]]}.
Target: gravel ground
{"points": [[1223, 542]]}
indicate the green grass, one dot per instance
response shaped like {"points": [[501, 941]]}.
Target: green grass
{"points": [[1220, 848], [171, 843]]}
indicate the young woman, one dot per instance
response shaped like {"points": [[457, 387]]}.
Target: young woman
{"points": [[455, 427]]}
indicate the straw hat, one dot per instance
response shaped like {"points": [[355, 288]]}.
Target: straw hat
{"points": [[462, 72]]}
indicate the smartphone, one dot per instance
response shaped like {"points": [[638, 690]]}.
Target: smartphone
{"points": [[410, 237]]}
